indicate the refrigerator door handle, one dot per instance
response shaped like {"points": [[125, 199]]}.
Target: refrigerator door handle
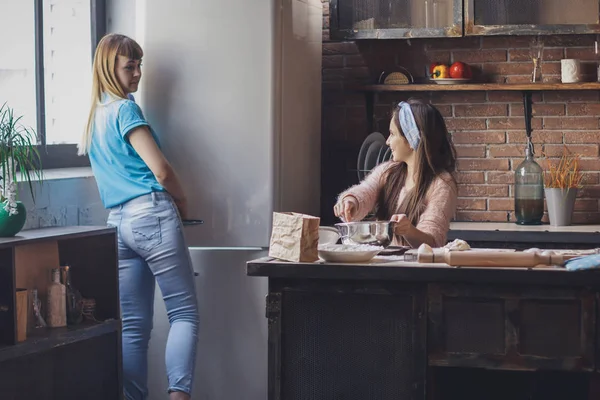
{"points": [[190, 222]]}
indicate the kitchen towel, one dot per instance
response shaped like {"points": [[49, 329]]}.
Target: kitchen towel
{"points": [[582, 263]]}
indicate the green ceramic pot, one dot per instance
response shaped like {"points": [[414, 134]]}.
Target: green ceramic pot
{"points": [[10, 225]]}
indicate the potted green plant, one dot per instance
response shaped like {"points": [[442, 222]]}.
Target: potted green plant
{"points": [[19, 161], [561, 182]]}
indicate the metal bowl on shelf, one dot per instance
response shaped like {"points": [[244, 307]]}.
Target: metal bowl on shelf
{"points": [[376, 233]]}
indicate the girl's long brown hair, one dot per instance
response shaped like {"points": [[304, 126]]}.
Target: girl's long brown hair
{"points": [[434, 156], [104, 78]]}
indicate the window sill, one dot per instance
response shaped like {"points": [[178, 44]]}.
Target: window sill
{"points": [[64, 173]]}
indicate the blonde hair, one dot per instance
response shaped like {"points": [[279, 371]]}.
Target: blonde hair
{"points": [[104, 79]]}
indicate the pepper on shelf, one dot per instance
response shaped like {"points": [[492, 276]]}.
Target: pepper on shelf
{"points": [[440, 72]]}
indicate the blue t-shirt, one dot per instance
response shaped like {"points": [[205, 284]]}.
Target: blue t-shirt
{"points": [[120, 172]]}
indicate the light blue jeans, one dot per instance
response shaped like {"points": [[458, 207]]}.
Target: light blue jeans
{"points": [[152, 249]]}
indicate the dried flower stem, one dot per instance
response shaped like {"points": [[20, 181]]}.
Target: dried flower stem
{"points": [[564, 174]]}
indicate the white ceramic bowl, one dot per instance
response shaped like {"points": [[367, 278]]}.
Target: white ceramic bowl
{"points": [[450, 81], [344, 253], [328, 235]]}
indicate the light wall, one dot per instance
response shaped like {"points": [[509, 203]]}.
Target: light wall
{"points": [[62, 202]]}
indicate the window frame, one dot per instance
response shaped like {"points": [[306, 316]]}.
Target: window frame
{"points": [[60, 155]]}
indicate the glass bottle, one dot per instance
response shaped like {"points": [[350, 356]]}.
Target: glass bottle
{"points": [[529, 191], [536, 51], [74, 310], [35, 312], [57, 308]]}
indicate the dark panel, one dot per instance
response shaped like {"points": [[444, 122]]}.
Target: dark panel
{"points": [[512, 328], [394, 19], [88, 370], [351, 346], [534, 12], [85, 370], [62, 156], [376, 14], [8, 334], [96, 277], [474, 326], [98, 16], [542, 244], [273, 314], [551, 328], [27, 378], [478, 384], [509, 239]]}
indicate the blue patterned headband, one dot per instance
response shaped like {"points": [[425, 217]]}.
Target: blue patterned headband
{"points": [[408, 125]]}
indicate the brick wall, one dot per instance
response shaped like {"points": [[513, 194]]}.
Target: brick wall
{"points": [[488, 128]]}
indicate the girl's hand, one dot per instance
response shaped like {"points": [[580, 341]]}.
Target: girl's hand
{"points": [[346, 209], [403, 225]]}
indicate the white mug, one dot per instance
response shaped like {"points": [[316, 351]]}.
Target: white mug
{"points": [[570, 70]]}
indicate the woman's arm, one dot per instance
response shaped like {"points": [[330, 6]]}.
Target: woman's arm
{"points": [[412, 234], [144, 144], [366, 193]]}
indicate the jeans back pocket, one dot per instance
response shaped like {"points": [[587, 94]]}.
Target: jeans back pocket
{"points": [[146, 232]]}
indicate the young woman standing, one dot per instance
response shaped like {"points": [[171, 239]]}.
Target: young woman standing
{"points": [[146, 203]]}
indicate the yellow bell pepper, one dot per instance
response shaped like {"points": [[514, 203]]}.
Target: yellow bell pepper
{"points": [[440, 71]]}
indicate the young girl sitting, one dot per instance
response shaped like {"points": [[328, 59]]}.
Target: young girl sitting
{"points": [[415, 189]]}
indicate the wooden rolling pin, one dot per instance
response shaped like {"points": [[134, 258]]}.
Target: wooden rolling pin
{"points": [[474, 258]]}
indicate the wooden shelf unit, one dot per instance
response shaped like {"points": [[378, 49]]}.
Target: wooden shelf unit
{"points": [[521, 87], [526, 89], [74, 362]]}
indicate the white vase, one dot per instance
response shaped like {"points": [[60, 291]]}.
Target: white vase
{"points": [[561, 203], [570, 70]]}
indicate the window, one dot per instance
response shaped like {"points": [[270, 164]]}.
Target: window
{"points": [[45, 70]]}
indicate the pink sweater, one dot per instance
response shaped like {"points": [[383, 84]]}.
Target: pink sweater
{"points": [[440, 202]]}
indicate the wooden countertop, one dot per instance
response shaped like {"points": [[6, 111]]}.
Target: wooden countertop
{"points": [[583, 235], [512, 227], [395, 270]]}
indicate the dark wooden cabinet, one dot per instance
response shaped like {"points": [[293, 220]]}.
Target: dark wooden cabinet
{"points": [[530, 17], [346, 342], [397, 19], [80, 361], [387, 331], [392, 19]]}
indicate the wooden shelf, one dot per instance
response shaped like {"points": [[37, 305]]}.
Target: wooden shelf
{"points": [[415, 87], [43, 339], [54, 233]]}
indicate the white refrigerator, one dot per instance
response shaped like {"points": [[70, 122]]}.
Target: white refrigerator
{"points": [[233, 90]]}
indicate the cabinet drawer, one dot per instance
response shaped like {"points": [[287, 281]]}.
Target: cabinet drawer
{"points": [[511, 328]]}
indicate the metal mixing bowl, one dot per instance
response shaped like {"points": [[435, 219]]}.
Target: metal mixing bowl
{"points": [[376, 233]]}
